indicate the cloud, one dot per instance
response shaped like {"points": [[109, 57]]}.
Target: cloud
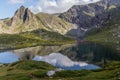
{"points": [[61, 61], [55, 59], [17, 1], [56, 6]]}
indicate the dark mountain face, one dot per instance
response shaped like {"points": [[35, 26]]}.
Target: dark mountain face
{"points": [[112, 2], [90, 16]]}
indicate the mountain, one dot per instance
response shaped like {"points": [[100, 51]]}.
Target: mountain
{"points": [[54, 23], [89, 16], [24, 20], [26, 29], [110, 33]]}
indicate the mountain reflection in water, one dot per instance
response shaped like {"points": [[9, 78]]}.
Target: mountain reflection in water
{"points": [[55, 59]]}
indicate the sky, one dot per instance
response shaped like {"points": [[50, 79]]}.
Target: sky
{"points": [[8, 7]]}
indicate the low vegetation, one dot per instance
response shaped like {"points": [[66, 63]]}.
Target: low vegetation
{"points": [[35, 70], [25, 70], [106, 36], [33, 38]]}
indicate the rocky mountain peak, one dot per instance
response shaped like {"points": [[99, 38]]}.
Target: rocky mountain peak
{"points": [[22, 15]]}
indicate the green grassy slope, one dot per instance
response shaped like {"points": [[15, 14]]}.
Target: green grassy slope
{"points": [[106, 36], [33, 38], [25, 70]]}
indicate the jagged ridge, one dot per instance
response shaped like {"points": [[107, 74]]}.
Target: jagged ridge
{"points": [[24, 20]]}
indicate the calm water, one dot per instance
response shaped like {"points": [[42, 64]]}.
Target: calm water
{"points": [[92, 53], [69, 57], [55, 59]]}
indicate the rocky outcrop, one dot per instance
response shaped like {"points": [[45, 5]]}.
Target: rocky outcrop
{"points": [[22, 21], [22, 15]]}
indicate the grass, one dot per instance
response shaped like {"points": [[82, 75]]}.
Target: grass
{"points": [[33, 38], [34, 70], [107, 36], [110, 72], [25, 70]]}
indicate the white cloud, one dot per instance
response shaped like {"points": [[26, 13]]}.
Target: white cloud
{"points": [[56, 6], [64, 62], [55, 59], [17, 1]]}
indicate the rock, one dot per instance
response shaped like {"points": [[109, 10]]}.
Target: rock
{"points": [[52, 72]]}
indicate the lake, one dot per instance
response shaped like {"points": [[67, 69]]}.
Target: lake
{"points": [[69, 57]]}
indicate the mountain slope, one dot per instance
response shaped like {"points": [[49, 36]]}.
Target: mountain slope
{"points": [[110, 34], [90, 16], [38, 37], [54, 23], [82, 14], [24, 20]]}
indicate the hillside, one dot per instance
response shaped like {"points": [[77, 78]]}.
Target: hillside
{"points": [[110, 34], [26, 29], [33, 38], [25, 70]]}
